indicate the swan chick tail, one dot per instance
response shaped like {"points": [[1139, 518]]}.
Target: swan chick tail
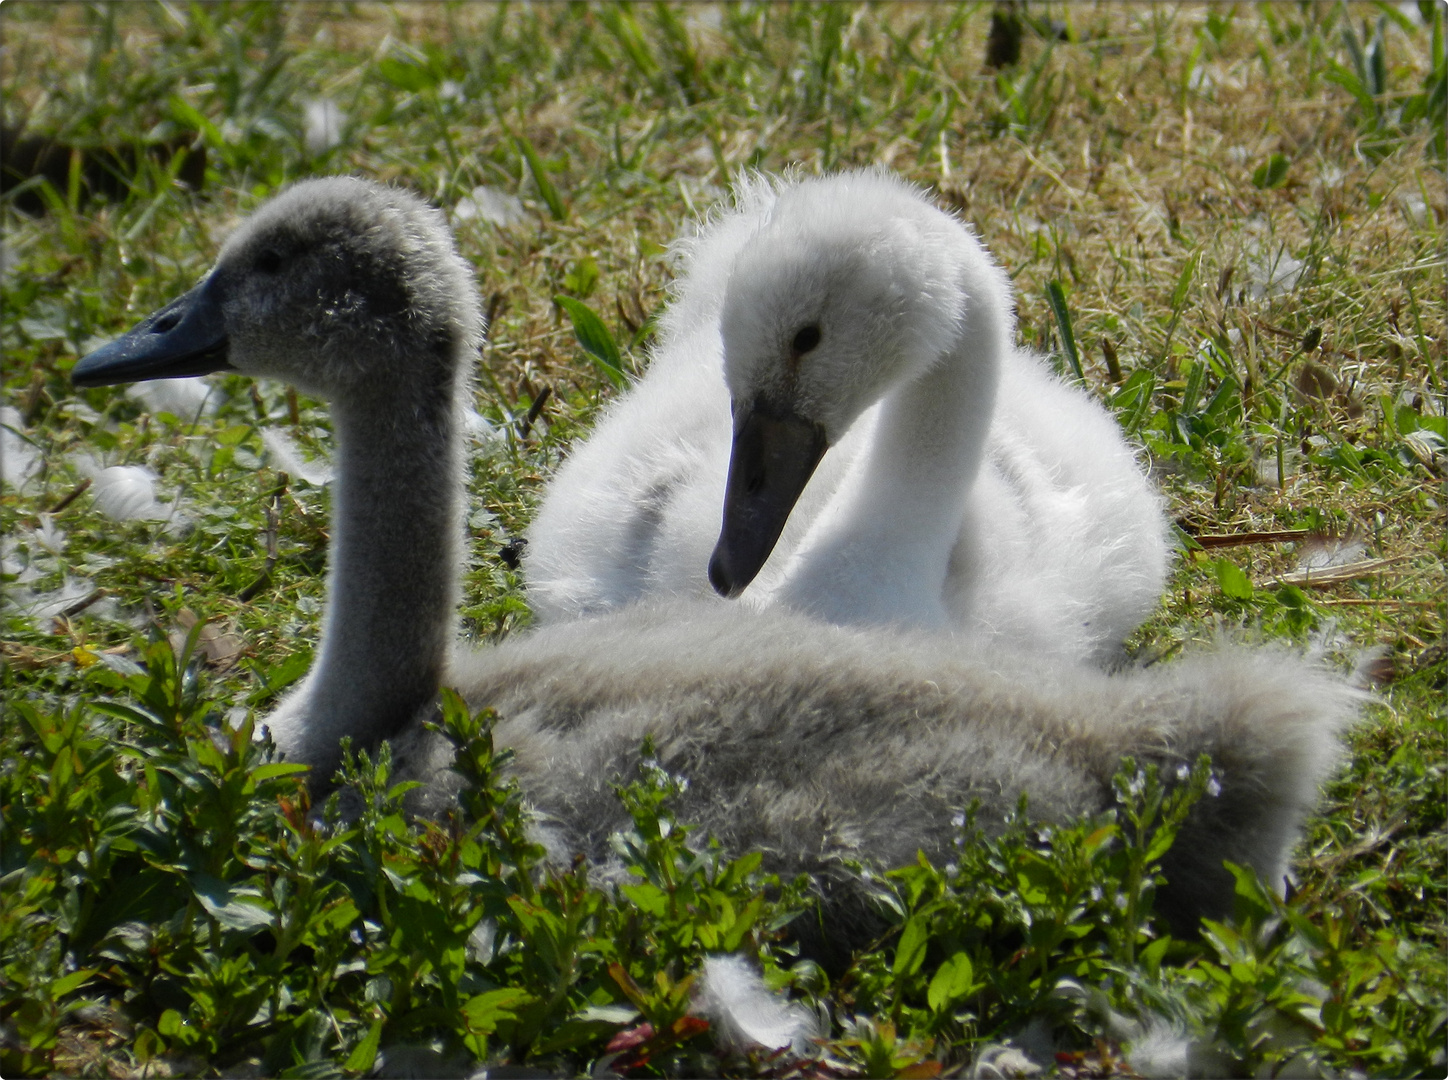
{"points": [[1272, 723]]}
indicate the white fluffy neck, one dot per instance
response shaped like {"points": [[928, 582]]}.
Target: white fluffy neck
{"points": [[392, 578], [881, 553]]}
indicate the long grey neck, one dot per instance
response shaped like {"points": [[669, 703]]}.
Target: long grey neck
{"points": [[392, 579]]}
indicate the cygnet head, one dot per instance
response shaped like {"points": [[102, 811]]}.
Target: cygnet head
{"points": [[346, 288], [849, 287], [852, 286]]}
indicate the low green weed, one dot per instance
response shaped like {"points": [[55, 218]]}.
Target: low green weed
{"points": [[172, 878], [1059, 923], [168, 871]]}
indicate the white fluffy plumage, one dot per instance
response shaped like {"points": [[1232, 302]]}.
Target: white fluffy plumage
{"points": [[965, 486]]}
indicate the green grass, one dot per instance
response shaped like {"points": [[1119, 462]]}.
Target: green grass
{"points": [[1139, 172]]}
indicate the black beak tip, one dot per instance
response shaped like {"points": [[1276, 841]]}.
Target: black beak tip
{"points": [[90, 371], [720, 578]]}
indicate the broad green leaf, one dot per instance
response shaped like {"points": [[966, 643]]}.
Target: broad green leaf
{"points": [[593, 335], [171, 1023], [126, 712], [647, 898], [1250, 898], [364, 1054], [1100, 838], [1233, 580], [233, 435], [742, 924], [483, 1012], [406, 76], [66, 983], [276, 678], [1151, 956], [1272, 173], [910, 953], [227, 906], [1290, 596], [1140, 382], [952, 981], [582, 279]]}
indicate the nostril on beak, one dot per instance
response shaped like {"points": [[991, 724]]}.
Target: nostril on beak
{"points": [[165, 323]]}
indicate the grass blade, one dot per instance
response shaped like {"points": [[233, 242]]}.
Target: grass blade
{"points": [[540, 177], [619, 22], [1179, 298], [1057, 300]]}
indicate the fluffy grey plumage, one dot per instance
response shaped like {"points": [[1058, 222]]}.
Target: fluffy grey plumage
{"points": [[817, 744], [814, 743]]}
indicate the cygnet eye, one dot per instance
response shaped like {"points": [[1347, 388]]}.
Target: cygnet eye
{"points": [[269, 261], [805, 340]]}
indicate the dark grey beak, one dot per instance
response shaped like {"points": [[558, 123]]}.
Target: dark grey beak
{"points": [[186, 337], [775, 453]]}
